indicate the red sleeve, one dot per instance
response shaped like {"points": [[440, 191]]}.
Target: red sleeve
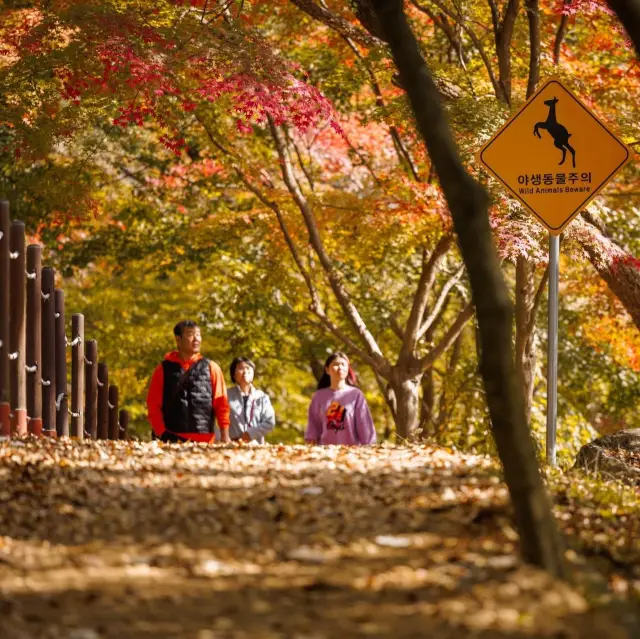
{"points": [[154, 401], [220, 402]]}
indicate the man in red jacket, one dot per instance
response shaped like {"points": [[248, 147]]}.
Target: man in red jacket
{"points": [[187, 392]]}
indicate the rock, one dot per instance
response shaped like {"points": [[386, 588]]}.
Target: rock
{"points": [[617, 454]]}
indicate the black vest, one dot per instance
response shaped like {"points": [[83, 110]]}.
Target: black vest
{"points": [[191, 410]]}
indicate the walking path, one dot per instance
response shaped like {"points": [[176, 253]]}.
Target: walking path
{"points": [[132, 540]]}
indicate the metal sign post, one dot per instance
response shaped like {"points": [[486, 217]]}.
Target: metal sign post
{"points": [[554, 155], [552, 349]]}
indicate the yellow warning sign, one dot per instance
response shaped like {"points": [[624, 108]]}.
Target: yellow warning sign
{"points": [[554, 155]]}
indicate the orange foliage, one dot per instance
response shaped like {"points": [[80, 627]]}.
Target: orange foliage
{"points": [[606, 324]]}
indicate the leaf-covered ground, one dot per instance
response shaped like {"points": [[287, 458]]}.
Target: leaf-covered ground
{"points": [[138, 540]]}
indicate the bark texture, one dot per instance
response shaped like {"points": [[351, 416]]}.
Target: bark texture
{"points": [[406, 400], [629, 13], [468, 203], [525, 333], [617, 268], [404, 377], [338, 23]]}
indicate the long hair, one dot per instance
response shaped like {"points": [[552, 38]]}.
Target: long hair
{"points": [[325, 380]]}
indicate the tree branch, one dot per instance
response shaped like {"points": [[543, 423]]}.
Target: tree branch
{"points": [[364, 161], [401, 149], [533, 17], [537, 300], [333, 275], [316, 306], [404, 153], [428, 336], [394, 325], [459, 19], [337, 23], [421, 297], [437, 307], [449, 33], [562, 30], [468, 203], [347, 341], [448, 339], [495, 18], [443, 412], [503, 46], [315, 298], [306, 172], [387, 393], [615, 266], [628, 11]]}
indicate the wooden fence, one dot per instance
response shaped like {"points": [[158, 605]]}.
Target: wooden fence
{"points": [[34, 390]]}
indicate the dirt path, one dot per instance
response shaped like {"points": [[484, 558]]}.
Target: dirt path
{"points": [[135, 540]]}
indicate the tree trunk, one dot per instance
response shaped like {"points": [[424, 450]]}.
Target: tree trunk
{"points": [[407, 397], [317, 368], [525, 330], [428, 404], [468, 203], [629, 13], [388, 394], [503, 36], [617, 268]]}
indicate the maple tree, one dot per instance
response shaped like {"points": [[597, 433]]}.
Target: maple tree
{"points": [[402, 378], [256, 165], [145, 65], [468, 204], [140, 89]]}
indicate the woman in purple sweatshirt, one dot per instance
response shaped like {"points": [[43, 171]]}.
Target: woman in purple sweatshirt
{"points": [[339, 413]]}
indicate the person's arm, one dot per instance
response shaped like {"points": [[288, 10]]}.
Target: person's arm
{"points": [[314, 425], [154, 402], [220, 402], [364, 421], [266, 420]]}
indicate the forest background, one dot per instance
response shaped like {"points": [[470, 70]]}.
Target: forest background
{"points": [[254, 165]]}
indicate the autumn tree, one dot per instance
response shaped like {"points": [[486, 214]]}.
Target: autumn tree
{"points": [[312, 149]]}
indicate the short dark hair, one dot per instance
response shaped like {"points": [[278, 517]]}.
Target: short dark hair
{"points": [[234, 365], [178, 329]]}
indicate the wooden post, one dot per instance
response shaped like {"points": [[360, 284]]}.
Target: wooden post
{"points": [[91, 389], [34, 338], [17, 329], [62, 397], [48, 352], [77, 375], [5, 407], [124, 424], [114, 427], [103, 401]]}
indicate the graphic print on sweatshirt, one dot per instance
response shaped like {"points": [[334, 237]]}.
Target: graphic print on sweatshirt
{"points": [[335, 416]]}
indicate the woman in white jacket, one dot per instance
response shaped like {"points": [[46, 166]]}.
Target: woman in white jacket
{"points": [[252, 415]]}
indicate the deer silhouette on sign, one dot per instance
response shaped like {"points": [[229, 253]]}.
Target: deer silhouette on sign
{"points": [[558, 132]]}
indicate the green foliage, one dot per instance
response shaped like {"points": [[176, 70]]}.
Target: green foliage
{"points": [[145, 235]]}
